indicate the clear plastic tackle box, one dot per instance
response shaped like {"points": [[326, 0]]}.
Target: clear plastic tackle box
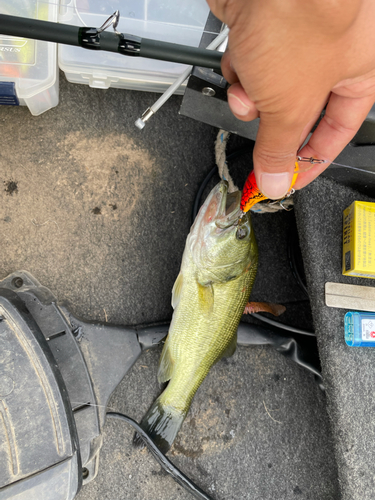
{"points": [[28, 68], [177, 21]]}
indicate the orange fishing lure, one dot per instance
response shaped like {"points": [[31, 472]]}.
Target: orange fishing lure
{"points": [[251, 193]]}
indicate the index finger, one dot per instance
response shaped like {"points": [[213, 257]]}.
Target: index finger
{"points": [[343, 117]]}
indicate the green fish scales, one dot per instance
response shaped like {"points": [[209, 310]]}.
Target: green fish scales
{"points": [[199, 338]]}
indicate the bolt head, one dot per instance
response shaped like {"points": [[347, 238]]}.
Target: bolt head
{"points": [[208, 91], [17, 282]]}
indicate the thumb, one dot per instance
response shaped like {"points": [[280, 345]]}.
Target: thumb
{"points": [[275, 151]]}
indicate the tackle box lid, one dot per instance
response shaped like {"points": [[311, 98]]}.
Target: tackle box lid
{"points": [[176, 21]]}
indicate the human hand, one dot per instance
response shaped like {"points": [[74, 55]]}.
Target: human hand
{"points": [[285, 61]]}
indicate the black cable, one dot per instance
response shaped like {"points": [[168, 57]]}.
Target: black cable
{"points": [[167, 465], [249, 334], [277, 324]]}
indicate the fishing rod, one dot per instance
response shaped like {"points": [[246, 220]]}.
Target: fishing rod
{"points": [[100, 39]]}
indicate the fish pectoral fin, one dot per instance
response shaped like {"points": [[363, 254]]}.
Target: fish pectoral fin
{"points": [[269, 307], [231, 349], [206, 298], [166, 365], [176, 291]]}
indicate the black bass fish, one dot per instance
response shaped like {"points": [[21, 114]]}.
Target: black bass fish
{"points": [[209, 296]]}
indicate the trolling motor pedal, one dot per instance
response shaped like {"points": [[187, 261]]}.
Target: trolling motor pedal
{"points": [[53, 369]]}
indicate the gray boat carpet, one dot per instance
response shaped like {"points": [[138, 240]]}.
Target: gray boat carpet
{"points": [[349, 372], [98, 212]]}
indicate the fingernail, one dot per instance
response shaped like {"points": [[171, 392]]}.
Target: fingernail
{"points": [[237, 106], [275, 186]]}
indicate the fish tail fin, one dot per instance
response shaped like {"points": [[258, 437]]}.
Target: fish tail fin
{"points": [[162, 423]]}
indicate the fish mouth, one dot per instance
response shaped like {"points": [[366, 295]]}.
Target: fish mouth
{"points": [[220, 208], [229, 209]]}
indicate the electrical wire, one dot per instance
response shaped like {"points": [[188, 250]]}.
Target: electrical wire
{"points": [[277, 324], [167, 465]]}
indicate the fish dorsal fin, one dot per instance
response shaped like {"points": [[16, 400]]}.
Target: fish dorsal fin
{"points": [[206, 298], [176, 290], [165, 364], [231, 349]]}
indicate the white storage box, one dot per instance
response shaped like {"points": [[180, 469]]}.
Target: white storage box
{"points": [[28, 68], [177, 21]]}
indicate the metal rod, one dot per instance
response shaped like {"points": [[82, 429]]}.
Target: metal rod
{"points": [[141, 122]]}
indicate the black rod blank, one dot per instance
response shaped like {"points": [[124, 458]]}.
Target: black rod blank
{"points": [[39, 30], [90, 38], [154, 49]]}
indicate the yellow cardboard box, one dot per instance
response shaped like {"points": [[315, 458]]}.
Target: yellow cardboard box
{"points": [[359, 240]]}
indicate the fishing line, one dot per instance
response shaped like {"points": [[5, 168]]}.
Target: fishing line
{"points": [[351, 167], [332, 164]]}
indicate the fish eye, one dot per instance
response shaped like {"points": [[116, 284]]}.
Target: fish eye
{"points": [[242, 232]]}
